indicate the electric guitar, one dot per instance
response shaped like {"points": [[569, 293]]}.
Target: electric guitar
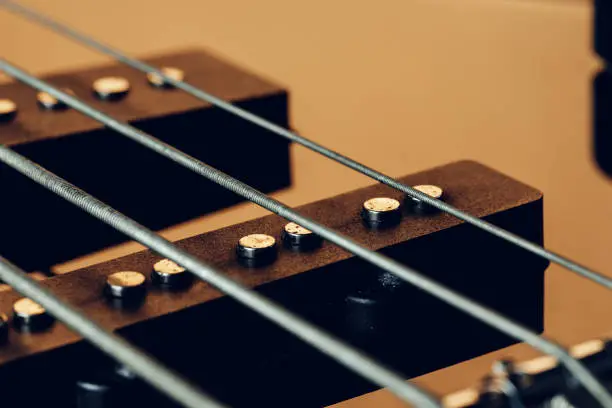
{"points": [[358, 268]]}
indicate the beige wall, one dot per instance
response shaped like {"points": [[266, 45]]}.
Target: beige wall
{"points": [[401, 85]]}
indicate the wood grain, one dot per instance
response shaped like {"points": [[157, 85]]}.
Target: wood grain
{"points": [[469, 186], [123, 173], [143, 102], [504, 82]]}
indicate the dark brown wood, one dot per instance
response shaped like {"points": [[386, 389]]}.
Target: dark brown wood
{"points": [[468, 186], [139, 182], [202, 69], [224, 347]]}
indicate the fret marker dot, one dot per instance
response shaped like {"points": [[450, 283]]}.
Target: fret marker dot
{"points": [[28, 307], [381, 212], [297, 237], [257, 241], [111, 88], [293, 228], [30, 316], [169, 273], [381, 204], [50, 102], [8, 110], [159, 82], [168, 267], [419, 206], [125, 284], [430, 190], [256, 249]]}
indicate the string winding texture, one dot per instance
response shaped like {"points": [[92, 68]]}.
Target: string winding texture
{"points": [[119, 349], [310, 144], [326, 343], [251, 299]]}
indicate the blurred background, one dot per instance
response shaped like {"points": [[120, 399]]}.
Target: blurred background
{"points": [[401, 85]]}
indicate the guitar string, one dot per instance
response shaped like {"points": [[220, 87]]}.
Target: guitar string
{"points": [[405, 273], [116, 347], [325, 342], [534, 248]]}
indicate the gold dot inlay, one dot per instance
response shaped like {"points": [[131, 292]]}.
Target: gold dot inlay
{"points": [[172, 72], [430, 190], [381, 204], [7, 106], [111, 85], [27, 307], [293, 228], [257, 241], [168, 267], [126, 279]]}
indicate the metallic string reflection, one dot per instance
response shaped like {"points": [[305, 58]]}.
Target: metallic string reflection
{"points": [[151, 240], [140, 363], [538, 250]]}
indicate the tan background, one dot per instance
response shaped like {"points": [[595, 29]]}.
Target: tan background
{"points": [[401, 85]]}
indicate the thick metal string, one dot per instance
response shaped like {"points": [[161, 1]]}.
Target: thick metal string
{"points": [[326, 343], [310, 144], [116, 347], [405, 273]]}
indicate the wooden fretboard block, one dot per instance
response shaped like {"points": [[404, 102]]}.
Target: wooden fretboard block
{"points": [[143, 184], [247, 361]]}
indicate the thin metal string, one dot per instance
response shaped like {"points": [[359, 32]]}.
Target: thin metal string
{"points": [[326, 343], [310, 144], [405, 273], [116, 347]]}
